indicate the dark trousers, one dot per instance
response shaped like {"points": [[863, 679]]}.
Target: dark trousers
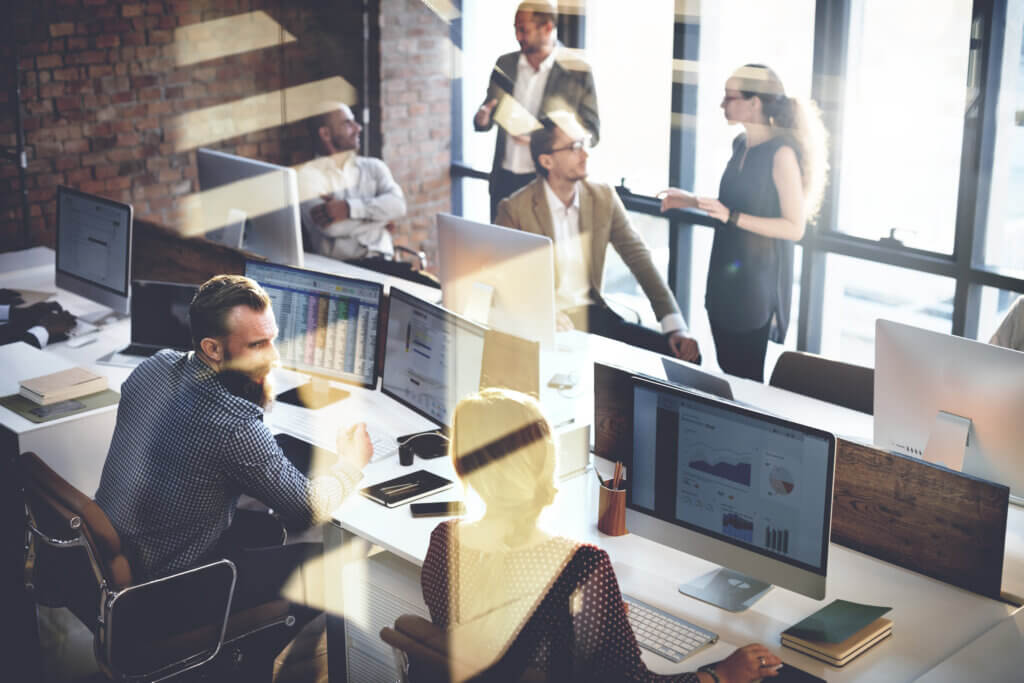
{"points": [[741, 353], [598, 319], [505, 183]]}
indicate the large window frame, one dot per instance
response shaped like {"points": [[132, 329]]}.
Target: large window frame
{"points": [[965, 266]]}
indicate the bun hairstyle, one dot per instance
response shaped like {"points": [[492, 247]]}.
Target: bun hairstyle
{"points": [[800, 120], [502, 446]]}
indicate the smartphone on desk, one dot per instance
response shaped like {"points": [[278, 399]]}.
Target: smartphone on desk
{"points": [[446, 508]]}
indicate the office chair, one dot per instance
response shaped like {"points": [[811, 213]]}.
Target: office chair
{"points": [[844, 384], [414, 269], [147, 631]]}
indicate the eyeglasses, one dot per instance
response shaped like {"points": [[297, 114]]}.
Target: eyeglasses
{"points": [[574, 146]]}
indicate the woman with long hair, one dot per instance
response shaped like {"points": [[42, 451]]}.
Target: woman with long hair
{"points": [[514, 597], [771, 187]]}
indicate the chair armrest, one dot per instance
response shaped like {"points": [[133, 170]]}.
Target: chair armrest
{"points": [[419, 255], [173, 623]]}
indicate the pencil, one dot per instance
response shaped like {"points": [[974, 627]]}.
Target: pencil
{"points": [[598, 475], [618, 476]]}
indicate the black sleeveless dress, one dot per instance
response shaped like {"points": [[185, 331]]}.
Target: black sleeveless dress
{"points": [[750, 277]]}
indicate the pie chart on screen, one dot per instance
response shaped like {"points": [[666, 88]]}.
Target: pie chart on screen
{"points": [[781, 481]]}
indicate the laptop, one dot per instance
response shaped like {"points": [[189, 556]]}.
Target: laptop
{"points": [[159, 320], [685, 376]]}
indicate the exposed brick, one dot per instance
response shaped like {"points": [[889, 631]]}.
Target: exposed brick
{"points": [[64, 29], [131, 10], [48, 62], [108, 41]]}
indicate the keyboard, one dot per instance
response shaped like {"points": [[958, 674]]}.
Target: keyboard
{"points": [[385, 443], [665, 634], [81, 328], [139, 350]]}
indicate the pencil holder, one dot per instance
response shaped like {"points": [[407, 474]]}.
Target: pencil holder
{"points": [[611, 511]]}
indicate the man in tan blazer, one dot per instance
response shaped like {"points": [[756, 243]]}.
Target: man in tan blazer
{"points": [[581, 218]]}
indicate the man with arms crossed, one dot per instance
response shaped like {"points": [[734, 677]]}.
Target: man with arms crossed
{"points": [[546, 78], [581, 218], [190, 439], [347, 200]]}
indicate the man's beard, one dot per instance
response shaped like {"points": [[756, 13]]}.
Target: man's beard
{"points": [[253, 385]]}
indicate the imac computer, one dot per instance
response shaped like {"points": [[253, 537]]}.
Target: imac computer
{"points": [[736, 487], [253, 203], [499, 277], [432, 357], [94, 249], [327, 328], [952, 401]]}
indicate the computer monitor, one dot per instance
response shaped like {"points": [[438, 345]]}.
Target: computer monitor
{"points": [[685, 375], [94, 248], [745, 490], [500, 277], [967, 394], [432, 357], [327, 324], [264, 196]]}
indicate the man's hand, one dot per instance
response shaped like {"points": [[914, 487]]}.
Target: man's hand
{"points": [[331, 211], [563, 323], [31, 315], [57, 324], [483, 114], [673, 198], [9, 297], [683, 347], [354, 446]]}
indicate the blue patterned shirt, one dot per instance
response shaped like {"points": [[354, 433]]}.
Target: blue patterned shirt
{"points": [[184, 449]]}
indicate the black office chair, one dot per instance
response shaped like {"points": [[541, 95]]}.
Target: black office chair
{"points": [[146, 631], [844, 384]]}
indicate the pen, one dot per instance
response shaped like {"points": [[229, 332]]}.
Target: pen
{"points": [[599, 479], [565, 422], [397, 488]]}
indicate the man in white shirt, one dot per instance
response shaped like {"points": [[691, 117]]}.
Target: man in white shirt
{"points": [[347, 200], [545, 78], [581, 218]]}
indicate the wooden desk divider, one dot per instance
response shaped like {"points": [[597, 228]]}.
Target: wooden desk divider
{"points": [[160, 253], [923, 517]]}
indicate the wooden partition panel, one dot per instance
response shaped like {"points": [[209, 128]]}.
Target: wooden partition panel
{"points": [[924, 517], [159, 253]]}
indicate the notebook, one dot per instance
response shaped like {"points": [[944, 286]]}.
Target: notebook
{"points": [[407, 488]]}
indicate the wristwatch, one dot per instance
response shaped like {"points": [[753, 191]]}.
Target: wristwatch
{"points": [[734, 216], [709, 669]]}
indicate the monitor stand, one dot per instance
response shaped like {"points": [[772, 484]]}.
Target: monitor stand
{"points": [[315, 394], [101, 317], [727, 589], [948, 441]]}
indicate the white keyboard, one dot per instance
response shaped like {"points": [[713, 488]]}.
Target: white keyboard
{"points": [[385, 443], [665, 634], [81, 328]]}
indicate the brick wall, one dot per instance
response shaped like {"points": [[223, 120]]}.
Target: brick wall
{"points": [[118, 94], [415, 89]]}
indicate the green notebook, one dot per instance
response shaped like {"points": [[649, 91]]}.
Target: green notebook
{"points": [[836, 622], [33, 412]]}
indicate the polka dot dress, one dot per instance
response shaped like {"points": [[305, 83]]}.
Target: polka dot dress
{"points": [[553, 606]]}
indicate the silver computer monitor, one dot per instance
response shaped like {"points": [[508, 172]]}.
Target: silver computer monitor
{"points": [[327, 324], [432, 357], [94, 248], [927, 382], [254, 198], [748, 491], [508, 273]]}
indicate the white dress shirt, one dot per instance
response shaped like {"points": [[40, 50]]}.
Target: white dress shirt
{"points": [[573, 286], [529, 92]]}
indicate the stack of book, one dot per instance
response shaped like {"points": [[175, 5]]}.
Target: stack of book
{"points": [[62, 386], [839, 632]]}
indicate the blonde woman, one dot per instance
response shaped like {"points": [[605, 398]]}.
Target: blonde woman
{"points": [[771, 187], [510, 593]]}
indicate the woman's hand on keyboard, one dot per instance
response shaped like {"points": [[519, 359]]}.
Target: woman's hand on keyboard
{"points": [[748, 663], [354, 446]]}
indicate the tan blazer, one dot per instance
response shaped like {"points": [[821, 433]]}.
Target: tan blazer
{"points": [[603, 219]]}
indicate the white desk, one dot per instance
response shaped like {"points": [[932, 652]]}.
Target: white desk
{"points": [[932, 619], [996, 655]]}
